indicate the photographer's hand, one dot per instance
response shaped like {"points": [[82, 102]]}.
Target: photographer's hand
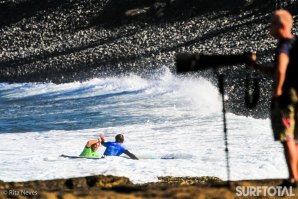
{"points": [[263, 69], [252, 58]]}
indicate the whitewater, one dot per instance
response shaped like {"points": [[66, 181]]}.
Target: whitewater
{"points": [[163, 115]]}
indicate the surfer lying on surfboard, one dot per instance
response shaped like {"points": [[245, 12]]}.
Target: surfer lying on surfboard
{"points": [[91, 148], [116, 148]]}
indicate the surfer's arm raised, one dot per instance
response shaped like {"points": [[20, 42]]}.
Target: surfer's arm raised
{"points": [[91, 142], [102, 137]]}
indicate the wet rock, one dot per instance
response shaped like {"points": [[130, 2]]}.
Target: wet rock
{"points": [[190, 180], [136, 11], [167, 187]]}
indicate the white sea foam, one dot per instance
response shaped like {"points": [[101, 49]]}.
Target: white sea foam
{"points": [[163, 116]]}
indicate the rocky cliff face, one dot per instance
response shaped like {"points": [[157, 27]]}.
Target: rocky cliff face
{"points": [[70, 40], [54, 40]]}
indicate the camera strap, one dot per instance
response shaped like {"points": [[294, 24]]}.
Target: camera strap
{"points": [[252, 91]]}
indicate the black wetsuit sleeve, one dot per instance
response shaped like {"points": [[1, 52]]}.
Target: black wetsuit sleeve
{"points": [[129, 154], [103, 143]]}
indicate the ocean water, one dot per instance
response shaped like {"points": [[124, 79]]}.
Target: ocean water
{"points": [[163, 115]]}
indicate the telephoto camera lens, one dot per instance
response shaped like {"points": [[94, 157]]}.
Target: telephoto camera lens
{"points": [[187, 62]]}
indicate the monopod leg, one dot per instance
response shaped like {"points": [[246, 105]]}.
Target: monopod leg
{"points": [[221, 90]]}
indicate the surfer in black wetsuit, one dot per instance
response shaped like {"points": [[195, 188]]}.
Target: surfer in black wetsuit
{"points": [[283, 116], [116, 148]]}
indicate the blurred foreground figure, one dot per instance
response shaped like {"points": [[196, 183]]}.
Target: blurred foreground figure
{"points": [[284, 96]]}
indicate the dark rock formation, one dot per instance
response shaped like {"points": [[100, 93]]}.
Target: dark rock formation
{"points": [[70, 40], [67, 40]]}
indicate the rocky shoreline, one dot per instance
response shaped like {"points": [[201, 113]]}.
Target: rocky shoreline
{"points": [[121, 187], [75, 40], [72, 40]]}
